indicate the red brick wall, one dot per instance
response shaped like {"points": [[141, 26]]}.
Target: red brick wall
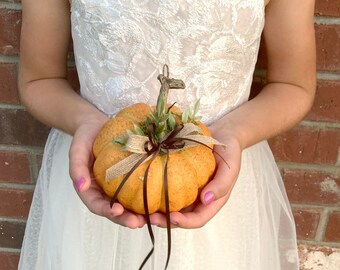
{"points": [[308, 155]]}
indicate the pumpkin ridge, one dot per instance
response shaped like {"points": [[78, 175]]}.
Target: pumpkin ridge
{"points": [[182, 186], [203, 161], [131, 195]]}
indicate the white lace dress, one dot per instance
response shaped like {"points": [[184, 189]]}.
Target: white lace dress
{"points": [[120, 48]]}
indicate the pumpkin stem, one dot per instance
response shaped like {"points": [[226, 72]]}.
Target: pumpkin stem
{"points": [[166, 84], [161, 108]]}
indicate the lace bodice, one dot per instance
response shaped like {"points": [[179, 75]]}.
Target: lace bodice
{"points": [[121, 46]]}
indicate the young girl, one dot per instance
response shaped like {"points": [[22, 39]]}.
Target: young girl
{"points": [[243, 220]]}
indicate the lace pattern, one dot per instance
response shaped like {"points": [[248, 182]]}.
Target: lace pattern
{"points": [[121, 47]]}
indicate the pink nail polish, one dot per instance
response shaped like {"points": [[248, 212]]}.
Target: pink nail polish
{"points": [[80, 183], [209, 197]]}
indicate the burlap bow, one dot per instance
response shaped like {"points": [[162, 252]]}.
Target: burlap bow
{"points": [[187, 136]]}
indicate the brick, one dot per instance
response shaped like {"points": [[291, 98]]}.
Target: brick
{"points": [[72, 77], [327, 47], [262, 56], [18, 127], [9, 260], [15, 202], [326, 105], [312, 187], [38, 160], [14, 167], [8, 83], [307, 145], [327, 8], [327, 44], [70, 55], [319, 257], [11, 234], [256, 87], [306, 223], [332, 233], [10, 26]]}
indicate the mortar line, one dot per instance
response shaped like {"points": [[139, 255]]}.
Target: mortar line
{"points": [[16, 220], [309, 167], [7, 59], [322, 226], [320, 125], [338, 160], [260, 72], [17, 186], [10, 250], [8, 5], [19, 148], [71, 64], [328, 76], [306, 206], [319, 244], [321, 74], [326, 20], [11, 106]]}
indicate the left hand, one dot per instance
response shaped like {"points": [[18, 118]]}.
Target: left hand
{"points": [[216, 193]]}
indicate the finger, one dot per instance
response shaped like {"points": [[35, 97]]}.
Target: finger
{"points": [[98, 204], [117, 214], [79, 155], [201, 215], [228, 166], [219, 186], [130, 220], [159, 220]]}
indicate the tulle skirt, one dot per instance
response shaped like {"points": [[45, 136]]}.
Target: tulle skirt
{"points": [[254, 230]]}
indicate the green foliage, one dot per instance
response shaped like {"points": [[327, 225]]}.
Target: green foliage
{"points": [[138, 130], [122, 141], [164, 121], [171, 121], [190, 116]]}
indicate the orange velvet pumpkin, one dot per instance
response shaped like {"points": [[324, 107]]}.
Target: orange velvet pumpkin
{"points": [[188, 169]]}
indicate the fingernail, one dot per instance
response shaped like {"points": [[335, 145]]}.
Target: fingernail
{"points": [[209, 197], [174, 222], [80, 183]]}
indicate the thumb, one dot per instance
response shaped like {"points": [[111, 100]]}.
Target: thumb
{"points": [[219, 186], [80, 155]]}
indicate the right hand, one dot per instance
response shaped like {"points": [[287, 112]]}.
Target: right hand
{"points": [[92, 195]]}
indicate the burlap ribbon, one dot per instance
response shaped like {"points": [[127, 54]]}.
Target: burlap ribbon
{"points": [[189, 134]]}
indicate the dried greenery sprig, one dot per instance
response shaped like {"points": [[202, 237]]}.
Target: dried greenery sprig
{"points": [[162, 117], [190, 115]]}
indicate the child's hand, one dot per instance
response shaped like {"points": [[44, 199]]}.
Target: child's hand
{"points": [[81, 162], [215, 194]]}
